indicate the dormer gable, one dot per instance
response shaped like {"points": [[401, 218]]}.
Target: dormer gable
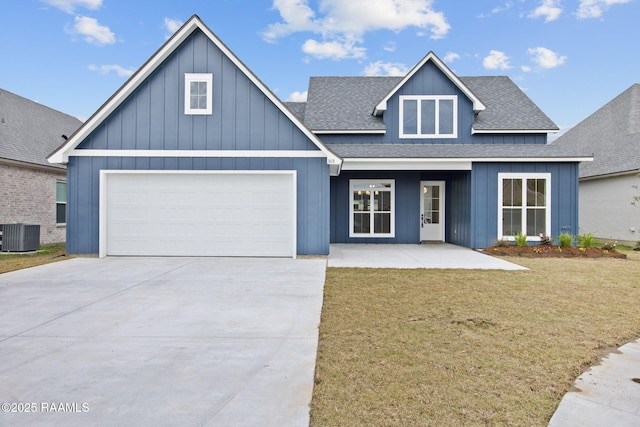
{"points": [[430, 58]]}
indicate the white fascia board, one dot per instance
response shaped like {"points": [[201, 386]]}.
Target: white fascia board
{"points": [[405, 164], [199, 153], [477, 104], [350, 132], [443, 163], [510, 131], [62, 154]]}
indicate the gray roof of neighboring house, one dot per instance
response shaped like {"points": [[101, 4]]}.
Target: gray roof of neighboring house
{"points": [[611, 134], [347, 103], [454, 151], [29, 131]]}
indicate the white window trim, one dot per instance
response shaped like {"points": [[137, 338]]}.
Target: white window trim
{"points": [[62, 224], [198, 77], [437, 98], [525, 175], [392, 233]]}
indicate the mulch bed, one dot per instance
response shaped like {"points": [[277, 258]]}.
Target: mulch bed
{"points": [[551, 251]]}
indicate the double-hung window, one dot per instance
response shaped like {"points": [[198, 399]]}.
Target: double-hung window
{"points": [[197, 93], [428, 116], [372, 208], [524, 201], [61, 203]]}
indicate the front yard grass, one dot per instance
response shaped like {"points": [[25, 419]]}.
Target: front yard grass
{"points": [[467, 347], [46, 254]]}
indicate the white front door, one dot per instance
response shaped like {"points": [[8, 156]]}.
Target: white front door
{"points": [[432, 211]]}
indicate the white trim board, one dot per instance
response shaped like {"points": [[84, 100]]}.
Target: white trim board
{"points": [[421, 163], [199, 153]]}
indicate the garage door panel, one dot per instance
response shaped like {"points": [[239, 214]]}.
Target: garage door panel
{"points": [[200, 214]]}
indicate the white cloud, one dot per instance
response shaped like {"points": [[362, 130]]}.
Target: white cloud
{"points": [[172, 25], [106, 69], [333, 49], [297, 16], [380, 68], [496, 61], [546, 58], [389, 47], [526, 68], [69, 6], [450, 57], [92, 31], [496, 10], [595, 8], [298, 96], [549, 9], [339, 20]]}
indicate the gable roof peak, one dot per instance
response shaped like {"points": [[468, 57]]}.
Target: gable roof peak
{"points": [[61, 155], [433, 58]]}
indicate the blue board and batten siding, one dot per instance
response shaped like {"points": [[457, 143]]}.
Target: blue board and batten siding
{"points": [[471, 202], [484, 193], [152, 118], [84, 194]]}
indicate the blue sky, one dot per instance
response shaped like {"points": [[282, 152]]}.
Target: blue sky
{"points": [[570, 57]]}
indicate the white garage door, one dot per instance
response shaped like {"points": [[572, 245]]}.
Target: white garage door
{"points": [[198, 214]]}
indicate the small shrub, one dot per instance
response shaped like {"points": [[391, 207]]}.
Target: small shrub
{"points": [[545, 239], [521, 239], [501, 243], [586, 240], [609, 246], [565, 240]]}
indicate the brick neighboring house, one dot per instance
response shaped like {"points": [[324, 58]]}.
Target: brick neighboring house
{"points": [[33, 191]]}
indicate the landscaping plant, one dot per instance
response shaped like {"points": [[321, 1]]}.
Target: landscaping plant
{"points": [[521, 239], [585, 240], [565, 240]]}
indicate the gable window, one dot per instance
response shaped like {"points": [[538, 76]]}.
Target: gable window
{"points": [[372, 208], [524, 204], [428, 116], [61, 203], [198, 93]]}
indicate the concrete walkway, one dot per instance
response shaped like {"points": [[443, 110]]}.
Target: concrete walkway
{"points": [[160, 341], [437, 255], [606, 395]]}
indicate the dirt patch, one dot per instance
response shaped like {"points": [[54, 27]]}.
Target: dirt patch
{"points": [[551, 251]]}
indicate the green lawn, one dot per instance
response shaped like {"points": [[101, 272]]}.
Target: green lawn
{"points": [[467, 347], [46, 255]]}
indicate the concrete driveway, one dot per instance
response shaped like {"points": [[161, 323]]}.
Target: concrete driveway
{"points": [[160, 341]]}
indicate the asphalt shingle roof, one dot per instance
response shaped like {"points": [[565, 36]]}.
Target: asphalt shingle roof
{"points": [[611, 134], [347, 103], [454, 151], [29, 131], [508, 108], [298, 108]]}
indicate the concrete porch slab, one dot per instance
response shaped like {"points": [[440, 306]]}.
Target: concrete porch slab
{"points": [[430, 255]]}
